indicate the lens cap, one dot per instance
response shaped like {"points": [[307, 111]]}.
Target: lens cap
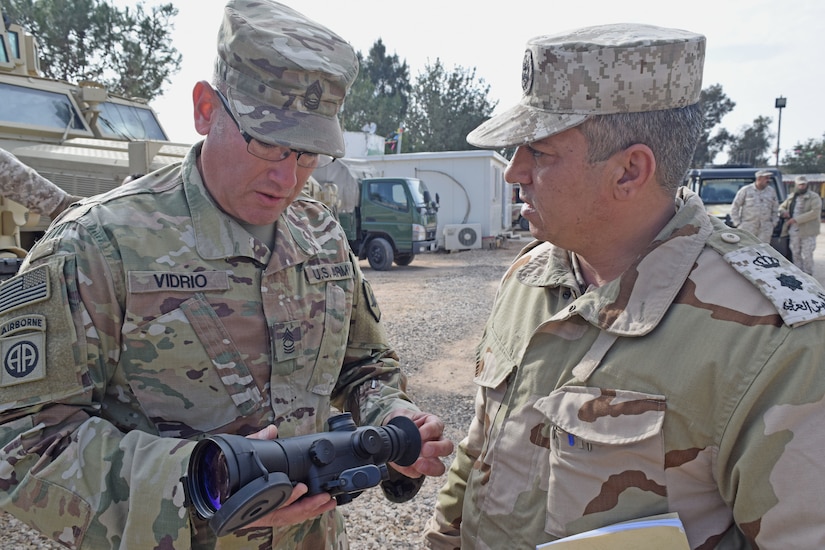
{"points": [[254, 500]]}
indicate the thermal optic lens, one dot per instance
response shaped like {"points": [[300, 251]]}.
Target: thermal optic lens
{"points": [[214, 476]]}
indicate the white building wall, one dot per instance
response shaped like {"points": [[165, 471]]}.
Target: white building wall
{"points": [[470, 185]]}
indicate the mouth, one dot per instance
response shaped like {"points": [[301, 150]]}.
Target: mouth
{"points": [[268, 199]]}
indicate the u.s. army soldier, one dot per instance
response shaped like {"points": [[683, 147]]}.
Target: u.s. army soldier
{"points": [[191, 303], [641, 357]]}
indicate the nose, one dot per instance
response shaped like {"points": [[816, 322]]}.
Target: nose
{"points": [[520, 167], [284, 172]]}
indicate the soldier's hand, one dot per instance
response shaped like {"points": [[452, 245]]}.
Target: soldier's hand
{"points": [[295, 509], [433, 444]]}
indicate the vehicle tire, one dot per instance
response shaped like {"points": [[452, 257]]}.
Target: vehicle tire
{"points": [[379, 254], [524, 224], [404, 259]]}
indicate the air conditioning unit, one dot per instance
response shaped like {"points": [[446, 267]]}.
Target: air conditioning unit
{"points": [[462, 236]]}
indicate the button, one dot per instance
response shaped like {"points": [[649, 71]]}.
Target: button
{"points": [[730, 238]]}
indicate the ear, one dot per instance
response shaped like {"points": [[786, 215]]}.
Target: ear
{"points": [[636, 171], [205, 105]]}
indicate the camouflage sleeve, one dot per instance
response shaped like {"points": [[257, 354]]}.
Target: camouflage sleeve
{"points": [[371, 382], [813, 213], [775, 211], [65, 469], [736, 207], [443, 531], [770, 459], [23, 185]]}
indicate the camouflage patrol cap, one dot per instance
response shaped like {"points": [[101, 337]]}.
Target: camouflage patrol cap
{"points": [[286, 75], [606, 69], [761, 173], [800, 180]]}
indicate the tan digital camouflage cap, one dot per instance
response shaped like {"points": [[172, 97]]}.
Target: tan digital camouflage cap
{"points": [[606, 69], [287, 75]]}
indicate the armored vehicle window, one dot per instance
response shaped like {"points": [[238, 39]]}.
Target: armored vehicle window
{"points": [[23, 105], [129, 122], [14, 41]]}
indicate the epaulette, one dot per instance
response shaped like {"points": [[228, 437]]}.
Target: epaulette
{"points": [[797, 296]]}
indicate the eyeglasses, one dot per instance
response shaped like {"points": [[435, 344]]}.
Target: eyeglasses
{"points": [[275, 153]]}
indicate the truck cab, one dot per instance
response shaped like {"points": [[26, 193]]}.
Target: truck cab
{"points": [[717, 186], [394, 220]]}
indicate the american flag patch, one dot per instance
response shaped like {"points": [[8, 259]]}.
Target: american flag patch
{"points": [[27, 288]]}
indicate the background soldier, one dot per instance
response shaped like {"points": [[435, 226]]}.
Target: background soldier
{"points": [[755, 207], [802, 212]]}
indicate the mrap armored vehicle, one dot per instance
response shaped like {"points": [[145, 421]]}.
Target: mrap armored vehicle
{"points": [[81, 137]]}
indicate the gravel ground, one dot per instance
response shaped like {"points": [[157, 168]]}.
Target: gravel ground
{"points": [[434, 311]]}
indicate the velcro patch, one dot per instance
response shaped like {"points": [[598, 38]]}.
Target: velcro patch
{"points": [[24, 289], [372, 301], [176, 281], [328, 272], [23, 323], [797, 296], [24, 358]]}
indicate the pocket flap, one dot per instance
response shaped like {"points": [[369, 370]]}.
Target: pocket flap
{"points": [[608, 417], [493, 368]]}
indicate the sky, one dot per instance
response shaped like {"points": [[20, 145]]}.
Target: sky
{"points": [[757, 50]]}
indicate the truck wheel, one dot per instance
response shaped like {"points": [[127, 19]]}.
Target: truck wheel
{"points": [[524, 224], [404, 259], [379, 254]]}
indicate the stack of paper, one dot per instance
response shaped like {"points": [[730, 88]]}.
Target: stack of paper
{"points": [[652, 533]]}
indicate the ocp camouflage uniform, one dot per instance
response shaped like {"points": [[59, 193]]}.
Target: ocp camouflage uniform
{"points": [[147, 318], [581, 422], [755, 211]]}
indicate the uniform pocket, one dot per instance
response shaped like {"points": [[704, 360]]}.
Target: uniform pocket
{"points": [[606, 457], [186, 373], [332, 347]]}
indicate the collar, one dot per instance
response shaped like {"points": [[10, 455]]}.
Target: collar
{"points": [[634, 303], [220, 236]]}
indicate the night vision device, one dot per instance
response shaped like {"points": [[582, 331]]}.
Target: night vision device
{"points": [[233, 480]]}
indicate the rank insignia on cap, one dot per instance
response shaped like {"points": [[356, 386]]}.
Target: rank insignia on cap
{"points": [[527, 72]]}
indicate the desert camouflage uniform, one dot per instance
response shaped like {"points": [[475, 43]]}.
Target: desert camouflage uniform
{"points": [[149, 318], [806, 209], [23, 185], [756, 211], [679, 387]]}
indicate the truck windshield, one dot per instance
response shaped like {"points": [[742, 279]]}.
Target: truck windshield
{"points": [[418, 189], [22, 105], [129, 122], [721, 191]]}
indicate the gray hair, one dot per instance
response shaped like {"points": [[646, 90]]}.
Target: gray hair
{"points": [[671, 134]]}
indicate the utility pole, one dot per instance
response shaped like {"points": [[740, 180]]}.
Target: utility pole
{"points": [[781, 102]]}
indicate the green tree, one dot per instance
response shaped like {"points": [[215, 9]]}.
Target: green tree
{"points": [[445, 107], [806, 158], [128, 51], [752, 145], [715, 105], [380, 93]]}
